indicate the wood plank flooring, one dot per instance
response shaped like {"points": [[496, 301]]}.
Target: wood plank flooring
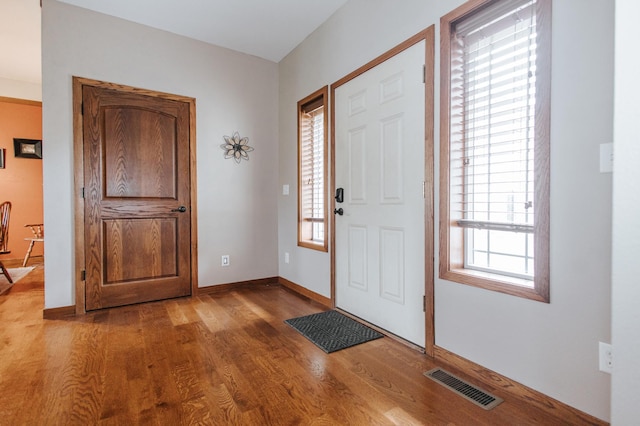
{"points": [[223, 359]]}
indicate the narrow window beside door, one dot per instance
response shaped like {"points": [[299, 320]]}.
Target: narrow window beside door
{"points": [[312, 171], [495, 146]]}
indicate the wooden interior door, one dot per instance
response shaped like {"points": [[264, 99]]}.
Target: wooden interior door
{"points": [[137, 205]]}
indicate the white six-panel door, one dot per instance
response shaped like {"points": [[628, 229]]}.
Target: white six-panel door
{"points": [[379, 161]]}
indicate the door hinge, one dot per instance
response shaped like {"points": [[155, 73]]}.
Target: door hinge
{"points": [[83, 275], [424, 73], [424, 184], [424, 303]]}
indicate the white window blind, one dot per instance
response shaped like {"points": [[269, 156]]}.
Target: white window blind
{"points": [[312, 170], [493, 100]]}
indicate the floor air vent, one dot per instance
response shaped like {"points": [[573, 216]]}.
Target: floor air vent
{"points": [[464, 389]]}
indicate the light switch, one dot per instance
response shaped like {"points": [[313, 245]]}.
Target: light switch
{"points": [[606, 157], [285, 189]]}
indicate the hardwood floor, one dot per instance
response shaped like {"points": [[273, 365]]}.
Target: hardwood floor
{"points": [[217, 359]]}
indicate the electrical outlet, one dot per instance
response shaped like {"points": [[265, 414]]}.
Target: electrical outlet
{"points": [[286, 257], [225, 260], [606, 357]]}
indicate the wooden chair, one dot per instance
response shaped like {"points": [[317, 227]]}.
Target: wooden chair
{"points": [[5, 210], [38, 236]]}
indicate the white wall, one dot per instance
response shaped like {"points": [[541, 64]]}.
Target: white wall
{"points": [[234, 92], [20, 89], [626, 212], [552, 348]]}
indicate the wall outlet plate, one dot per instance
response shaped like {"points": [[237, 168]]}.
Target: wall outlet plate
{"points": [[225, 260]]}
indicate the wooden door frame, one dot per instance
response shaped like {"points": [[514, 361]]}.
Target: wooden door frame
{"points": [[78, 165], [428, 35]]}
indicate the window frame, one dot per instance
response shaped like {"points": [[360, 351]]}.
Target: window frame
{"points": [[452, 256], [320, 96]]}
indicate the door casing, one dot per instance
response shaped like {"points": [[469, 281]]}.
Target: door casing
{"points": [[428, 35], [78, 141]]}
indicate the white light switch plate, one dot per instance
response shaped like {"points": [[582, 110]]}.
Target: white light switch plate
{"points": [[285, 189], [605, 357]]}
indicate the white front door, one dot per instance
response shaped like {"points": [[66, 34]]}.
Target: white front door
{"points": [[379, 162]]}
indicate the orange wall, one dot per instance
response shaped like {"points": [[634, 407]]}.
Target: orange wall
{"points": [[21, 179]]}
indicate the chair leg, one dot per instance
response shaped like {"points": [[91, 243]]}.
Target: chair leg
{"points": [[26, 257], [6, 273]]}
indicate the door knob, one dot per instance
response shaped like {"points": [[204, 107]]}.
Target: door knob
{"points": [[338, 211], [180, 209]]}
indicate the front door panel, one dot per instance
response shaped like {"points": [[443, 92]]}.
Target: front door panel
{"points": [[379, 161]]}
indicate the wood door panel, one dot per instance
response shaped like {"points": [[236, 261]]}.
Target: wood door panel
{"points": [[137, 175], [124, 239], [134, 292], [135, 169]]}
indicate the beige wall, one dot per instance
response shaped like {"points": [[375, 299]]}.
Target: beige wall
{"points": [[21, 179], [237, 212], [552, 348]]}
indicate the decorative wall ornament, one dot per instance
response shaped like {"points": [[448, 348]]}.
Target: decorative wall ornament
{"points": [[236, 147], [28, 148]]}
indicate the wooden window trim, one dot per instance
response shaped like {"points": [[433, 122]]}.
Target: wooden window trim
{"points": [[319, 97], [451, 265]]}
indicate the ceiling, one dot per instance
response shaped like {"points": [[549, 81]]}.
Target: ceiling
{"points": [[269, 29], [20, 40]]}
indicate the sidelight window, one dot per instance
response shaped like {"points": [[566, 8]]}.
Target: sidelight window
{"points": [[312, 171], [495, 146]]}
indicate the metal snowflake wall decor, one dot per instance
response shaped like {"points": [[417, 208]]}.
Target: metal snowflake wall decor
{"points": [[236, 147]]}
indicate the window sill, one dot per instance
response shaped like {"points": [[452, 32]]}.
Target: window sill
{"points": [[495, 282], [313, 245]]}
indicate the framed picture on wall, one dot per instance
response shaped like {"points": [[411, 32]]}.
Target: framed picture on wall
{"points": [[1, 158], [27, 148]]}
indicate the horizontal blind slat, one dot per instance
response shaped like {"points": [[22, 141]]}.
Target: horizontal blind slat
{"points": [[490, 14]]}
